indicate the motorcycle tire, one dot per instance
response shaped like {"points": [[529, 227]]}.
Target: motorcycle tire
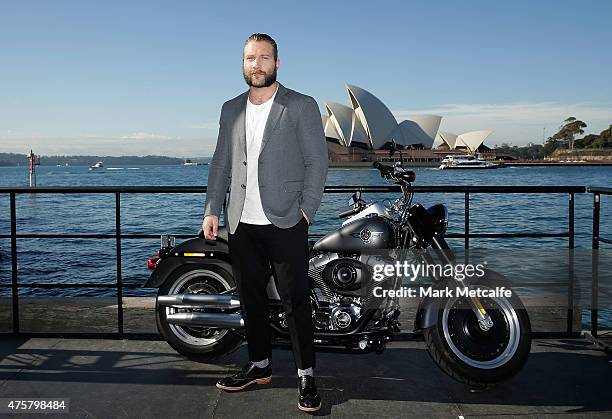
{"points": [[475, 357], [198, 344]]}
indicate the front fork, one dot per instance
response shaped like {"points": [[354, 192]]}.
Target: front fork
{"points": [[484, 319]]}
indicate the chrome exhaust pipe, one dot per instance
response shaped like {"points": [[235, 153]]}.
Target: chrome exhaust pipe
{"points": [[199, 300], [221, 320]]}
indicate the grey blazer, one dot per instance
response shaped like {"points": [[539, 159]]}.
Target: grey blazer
{"points": [[292, 161]]}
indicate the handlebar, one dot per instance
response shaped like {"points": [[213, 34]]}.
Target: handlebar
{"points": [[395, 172], [350, 212], [383, 168]]}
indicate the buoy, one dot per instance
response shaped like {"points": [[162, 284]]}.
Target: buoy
{"points": [[34, 161]]}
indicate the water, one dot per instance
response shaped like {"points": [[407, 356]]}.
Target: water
{"points": [[93, 260]]}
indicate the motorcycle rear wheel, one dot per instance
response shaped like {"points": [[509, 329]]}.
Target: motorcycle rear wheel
{"points": [[473, 356], [200, 344]]}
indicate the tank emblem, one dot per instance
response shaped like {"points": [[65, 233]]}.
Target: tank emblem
{"points": [[366, 235]]}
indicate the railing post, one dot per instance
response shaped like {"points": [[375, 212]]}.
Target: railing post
{"points": [[595, 264], [570, 290], [14, 284], [119, 277], [466, 221]]}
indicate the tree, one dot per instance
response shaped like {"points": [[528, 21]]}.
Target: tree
{"points": [[550, 146], [604, 139], [566, 134]]}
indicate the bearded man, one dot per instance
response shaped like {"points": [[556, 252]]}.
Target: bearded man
{"points": [[272, 154]]}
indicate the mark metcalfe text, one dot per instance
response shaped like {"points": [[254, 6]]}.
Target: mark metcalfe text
{"points": [[497, 292]]}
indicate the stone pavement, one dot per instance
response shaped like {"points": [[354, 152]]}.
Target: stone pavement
{"points": [[147, 379]]}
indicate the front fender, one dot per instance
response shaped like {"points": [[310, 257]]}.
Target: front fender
{"points": [[429, 308], [427, 313], [188, 252]]}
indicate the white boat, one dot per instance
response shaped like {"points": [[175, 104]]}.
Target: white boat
{"points": [[188, 162], [466, 161], [97, 166]]}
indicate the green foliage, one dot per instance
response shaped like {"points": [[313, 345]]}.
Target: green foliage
{"points": [[567, 133], [550, 146], [593, 141], [528, 152]]}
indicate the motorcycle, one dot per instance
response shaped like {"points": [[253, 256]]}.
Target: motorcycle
{"points": [[477, 339]]}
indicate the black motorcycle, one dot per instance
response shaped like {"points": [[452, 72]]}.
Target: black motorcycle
{"points": [[474, 335]]}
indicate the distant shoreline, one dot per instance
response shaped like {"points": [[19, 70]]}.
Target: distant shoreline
{"points": [[505, 164], [13, 160], [348, 165]]}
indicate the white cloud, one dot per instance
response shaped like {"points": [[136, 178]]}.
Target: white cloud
{"points": [[145, 136], [517, 123]]}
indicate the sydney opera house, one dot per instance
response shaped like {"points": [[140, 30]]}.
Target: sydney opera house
{"points": [[366, 127], [469, 142]]}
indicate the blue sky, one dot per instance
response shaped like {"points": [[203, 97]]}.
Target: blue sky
{"points": [[136, 77]]}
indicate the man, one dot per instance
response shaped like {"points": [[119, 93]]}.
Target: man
{"points": [[271, 152]]}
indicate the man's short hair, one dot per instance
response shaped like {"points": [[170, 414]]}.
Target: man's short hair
{"points": [[266, 38]]}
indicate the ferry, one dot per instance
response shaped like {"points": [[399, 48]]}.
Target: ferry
{"points": [[188, 162], [466, 161]]}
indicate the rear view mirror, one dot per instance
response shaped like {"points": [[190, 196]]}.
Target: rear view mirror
{"points": [[392, 149], [355, 198]]}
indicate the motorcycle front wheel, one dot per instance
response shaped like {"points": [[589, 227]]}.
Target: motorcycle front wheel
{"points": [[201, 344], [475, 356]]}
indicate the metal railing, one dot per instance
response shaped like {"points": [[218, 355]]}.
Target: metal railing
{"points": [[117, 191], [597, 192]]}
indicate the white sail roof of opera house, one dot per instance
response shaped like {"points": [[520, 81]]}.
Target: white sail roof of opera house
{"points": [[328, 127], [368, 121], [375, 117], [420, 129], [341, 117], [469, 140], [358, 133], [448, 138]]}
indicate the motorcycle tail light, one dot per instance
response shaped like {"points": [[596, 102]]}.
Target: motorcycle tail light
{"points": [[152, 263]]}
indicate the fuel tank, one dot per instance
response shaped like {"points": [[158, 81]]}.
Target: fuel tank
{"points": [[368, 233]]}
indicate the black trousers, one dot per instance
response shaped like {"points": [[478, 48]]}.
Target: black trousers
{"points": [[256, 248]]}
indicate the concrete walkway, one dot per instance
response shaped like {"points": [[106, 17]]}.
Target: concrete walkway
{"points": [[142, 379]]}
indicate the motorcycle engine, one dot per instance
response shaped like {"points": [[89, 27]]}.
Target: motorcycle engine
{"points": [[337, 282], [342, 316], [345, 276], [333, 274]]}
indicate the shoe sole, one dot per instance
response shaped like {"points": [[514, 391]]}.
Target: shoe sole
{"points": [[261, 381], [309, 409]]}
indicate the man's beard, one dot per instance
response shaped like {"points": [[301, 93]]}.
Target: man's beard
{"points": [[267, 81]]}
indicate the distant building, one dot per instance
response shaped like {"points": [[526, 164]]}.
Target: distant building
{"points": [[363, 130], [468, 142], [367, 123]]}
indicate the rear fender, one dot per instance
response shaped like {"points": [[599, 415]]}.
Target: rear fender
{"points": [[193, 251]]}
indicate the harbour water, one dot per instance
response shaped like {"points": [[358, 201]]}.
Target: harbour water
{"points": [[93, 260]]}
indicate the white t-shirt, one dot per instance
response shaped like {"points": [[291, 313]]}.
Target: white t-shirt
{"points": [[255, 121]]}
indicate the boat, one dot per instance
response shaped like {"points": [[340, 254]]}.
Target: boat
{"points": [[466, 161], [188, 162], [97, 166]]}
